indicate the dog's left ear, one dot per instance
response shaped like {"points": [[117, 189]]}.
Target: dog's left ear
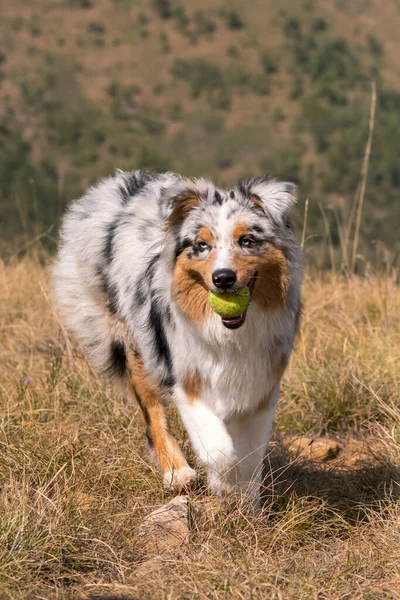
{"points": [[276, 198], [178, 200]]}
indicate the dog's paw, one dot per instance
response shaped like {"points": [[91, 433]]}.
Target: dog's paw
{"points": [[179, 479]]}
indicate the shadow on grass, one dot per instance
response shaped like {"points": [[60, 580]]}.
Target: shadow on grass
{"points": [[354, 493]]}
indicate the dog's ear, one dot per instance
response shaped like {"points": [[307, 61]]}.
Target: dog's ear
{"points": [[275, 198], [179, 199]]}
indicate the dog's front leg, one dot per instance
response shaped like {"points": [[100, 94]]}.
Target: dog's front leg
{"points": [[250, 434], [211, 442]]}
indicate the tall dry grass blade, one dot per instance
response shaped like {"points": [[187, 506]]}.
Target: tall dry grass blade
{"points": [[303, 234], [328, 234], [364, 175], [344, 263]]}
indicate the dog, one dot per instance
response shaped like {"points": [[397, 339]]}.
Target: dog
{"points": [[139, 253]]}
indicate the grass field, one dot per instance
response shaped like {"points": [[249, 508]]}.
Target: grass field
{"points": [[75, 480]]}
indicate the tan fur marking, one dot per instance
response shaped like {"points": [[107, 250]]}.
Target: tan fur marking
{"points": [[254, 198], [192, 278], [271, 284], [192, 386], [183, 204], [149, 398], [239, 230], [206, 235]]}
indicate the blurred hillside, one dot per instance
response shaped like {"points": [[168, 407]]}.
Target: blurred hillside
{"points": [[222, 89]]}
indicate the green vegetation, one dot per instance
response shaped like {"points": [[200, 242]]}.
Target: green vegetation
{"points": [[219, 91]]}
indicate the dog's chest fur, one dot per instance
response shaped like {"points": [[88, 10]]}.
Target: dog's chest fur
{"points": [[238, 371]]}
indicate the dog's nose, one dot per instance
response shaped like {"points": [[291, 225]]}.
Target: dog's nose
{"points": [[224, 278]]}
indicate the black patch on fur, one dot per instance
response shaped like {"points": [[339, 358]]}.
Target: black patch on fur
{"points": [[217, 198], [289, 188], [151, 268], [133, 183], [144, 283], [110, 291], [181, 246], [117, 365], [161, 345], [140, 294], [149, 439], [168, 381], [109, 242], [231, 213], [231, 194], [257, 229], [142, 408], [168, 314], [112, 301]]}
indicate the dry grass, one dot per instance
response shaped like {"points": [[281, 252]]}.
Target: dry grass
{"points": [[75, 481]]}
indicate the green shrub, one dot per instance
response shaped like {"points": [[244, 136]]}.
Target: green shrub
{"points": [[122, 148], [151, 124], [296, 88], [165, 45], [152, 160], [142, 19], [318, 118], [82, 3], [319, 25], [181, 18], [269, 61], [174, 111], [292, 28], [233, 19], [87, 156], [304, 51], [98, 135], [202, 76], [259, 84], [35, 31], [374, 45], [163, 8], [203, 24], [238, 77], [158, 89], [278, 115], [233, 51], [221, 98], [96, 27], [17, 23], [224, 158], [113, 89], [334, 62], [213, 123], [284, 162]]}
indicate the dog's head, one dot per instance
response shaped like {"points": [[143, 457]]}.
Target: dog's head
{"points": [[226, 240]]}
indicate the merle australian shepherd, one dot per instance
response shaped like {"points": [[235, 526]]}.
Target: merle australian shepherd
{"points": [[139, 253]]}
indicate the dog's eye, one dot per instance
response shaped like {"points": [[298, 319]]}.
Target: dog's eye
{"points": [[202, 246], [247, 241]]}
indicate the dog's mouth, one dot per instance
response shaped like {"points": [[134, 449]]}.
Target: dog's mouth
{"points": [[236, 322]]}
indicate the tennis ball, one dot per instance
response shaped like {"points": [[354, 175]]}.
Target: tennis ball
{"points": [[227, 304]]}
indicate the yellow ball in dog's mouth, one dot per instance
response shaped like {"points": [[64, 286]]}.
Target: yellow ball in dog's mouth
{"points": [[227, 304]]}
